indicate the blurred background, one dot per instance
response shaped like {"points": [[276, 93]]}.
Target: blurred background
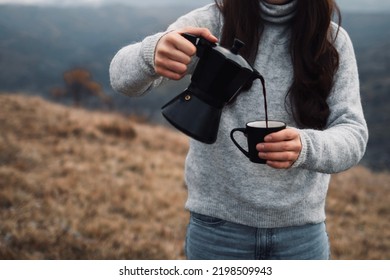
{"points": [[83, 168]]}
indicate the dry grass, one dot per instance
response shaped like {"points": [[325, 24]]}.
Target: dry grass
{"points": [[358, 211], [90, 185]]}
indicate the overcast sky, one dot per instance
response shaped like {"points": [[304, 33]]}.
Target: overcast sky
{"points": [[357, 5]]}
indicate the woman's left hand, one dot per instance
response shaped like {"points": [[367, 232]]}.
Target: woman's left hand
{"points": [[281, 149]]}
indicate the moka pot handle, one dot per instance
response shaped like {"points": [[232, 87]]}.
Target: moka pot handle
{"points": [[199, 42]]}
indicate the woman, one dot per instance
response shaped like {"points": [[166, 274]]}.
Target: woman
{"points": [[241, 210]]}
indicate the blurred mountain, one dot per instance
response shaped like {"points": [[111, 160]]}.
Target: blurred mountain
{"points": [[38, 44], [364, 5]]}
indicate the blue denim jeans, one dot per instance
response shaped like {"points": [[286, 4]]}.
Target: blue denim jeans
{"points": [[210, 238]]}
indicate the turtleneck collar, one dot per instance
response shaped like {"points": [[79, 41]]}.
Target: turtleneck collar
{"points": [[278, 13]]}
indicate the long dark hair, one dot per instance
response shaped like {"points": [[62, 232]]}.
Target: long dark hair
{"points": [[315, 59]]}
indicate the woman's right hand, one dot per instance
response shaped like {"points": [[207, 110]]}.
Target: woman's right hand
{"points": [[173, 52]]}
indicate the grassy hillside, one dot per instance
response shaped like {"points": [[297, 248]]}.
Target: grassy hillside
{"points": [[76, 184]]}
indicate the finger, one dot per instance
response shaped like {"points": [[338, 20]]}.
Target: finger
{"points": [[184, 46], [281, 157], [203, 32], [172, 54], [284, 146], [283, 135], [279, 165], [174, 43], [162, 63], [170, 69], [169, 74]]}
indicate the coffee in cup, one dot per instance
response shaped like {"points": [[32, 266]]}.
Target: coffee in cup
{"points": [[255, 133]]}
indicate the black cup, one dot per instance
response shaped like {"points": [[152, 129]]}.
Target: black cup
{"points": [[255, 133]]}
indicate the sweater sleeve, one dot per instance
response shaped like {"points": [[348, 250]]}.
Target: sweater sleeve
{"points": [[132, 68], [342, 144]]}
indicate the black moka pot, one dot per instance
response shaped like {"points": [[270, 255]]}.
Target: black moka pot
{"points": [[218, 78]]}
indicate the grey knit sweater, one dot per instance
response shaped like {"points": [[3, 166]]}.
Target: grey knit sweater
{"points": [[221, 182]]}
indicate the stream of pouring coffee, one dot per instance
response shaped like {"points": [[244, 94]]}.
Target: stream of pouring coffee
{"points": [[265, 100]]}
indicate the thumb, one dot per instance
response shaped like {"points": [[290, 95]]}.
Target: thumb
{"points": [[198, 31]]}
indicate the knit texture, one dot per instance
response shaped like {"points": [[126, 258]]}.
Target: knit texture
{"points": [[221, 181]]}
